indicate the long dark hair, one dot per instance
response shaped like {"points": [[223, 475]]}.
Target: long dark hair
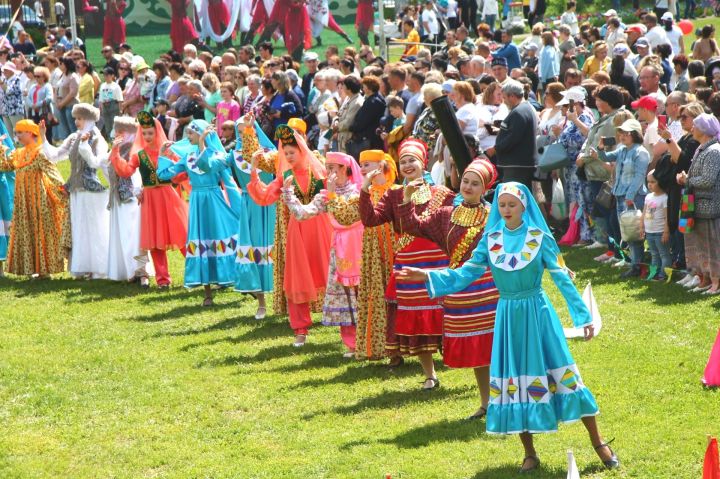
{"points": [[617, 68], [69, 65]]}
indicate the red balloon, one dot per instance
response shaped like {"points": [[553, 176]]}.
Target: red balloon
{"points": [[686, 26]]}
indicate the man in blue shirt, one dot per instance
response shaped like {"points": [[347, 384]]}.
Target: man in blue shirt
{"points": [[508, 50]]}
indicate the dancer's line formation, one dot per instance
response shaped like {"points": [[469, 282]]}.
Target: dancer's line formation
{"points": [[467, 275]]}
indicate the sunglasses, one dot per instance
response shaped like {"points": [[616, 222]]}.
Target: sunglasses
{"points": [[123, 68]]}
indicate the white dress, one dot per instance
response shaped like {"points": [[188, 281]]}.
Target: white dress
{"points": [[89, 217], [125, 258]]}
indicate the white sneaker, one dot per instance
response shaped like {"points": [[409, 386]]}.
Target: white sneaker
{"points": [[300, 340], [349, 354], [612, 260], [596, 245], [603, 258], [693, 283], [700, 289], [685, 279], [261, 312], [620, 264]]}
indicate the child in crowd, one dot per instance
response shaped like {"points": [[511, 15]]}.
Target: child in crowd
{"points": [[395, 108], [161, 109], [227, 135], [228, 108], [656, 228], [109, 99]]}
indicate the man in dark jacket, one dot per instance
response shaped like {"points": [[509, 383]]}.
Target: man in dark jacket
{"points": [[515, 152], [367, 119]]}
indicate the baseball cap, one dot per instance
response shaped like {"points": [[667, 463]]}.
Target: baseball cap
{"points": [[631, 125], [499, 61], [647, 102], [610, 13], [620, 49], [448, 85], [310, 57], [576, 93], [667, 16], [641, 29], [642, 42]]}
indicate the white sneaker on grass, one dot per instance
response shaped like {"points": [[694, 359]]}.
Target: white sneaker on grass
{"points": [[620, 264], [596, 245]]}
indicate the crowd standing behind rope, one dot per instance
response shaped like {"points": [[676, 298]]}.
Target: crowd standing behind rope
{"points": [[336, 192]]}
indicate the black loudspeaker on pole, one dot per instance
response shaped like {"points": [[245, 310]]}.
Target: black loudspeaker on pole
{"points": [[445, 115]]}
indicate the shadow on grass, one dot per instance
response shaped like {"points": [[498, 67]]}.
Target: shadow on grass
{"points": [[271, 327], [267, 354], [512, 471], [394, 400], [458, 430], [365, 371], [174, 313], [331, 360], [80, 290]]}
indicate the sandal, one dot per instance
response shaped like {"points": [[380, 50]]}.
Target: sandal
{"points": [[396, 362], [536, 464], [435, 384], [208, 301], [260, 313], [481, 413], [300, 340], [614, 461]]}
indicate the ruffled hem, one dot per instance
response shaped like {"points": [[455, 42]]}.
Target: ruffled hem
{"points": [[349, 282], [540, 417]]}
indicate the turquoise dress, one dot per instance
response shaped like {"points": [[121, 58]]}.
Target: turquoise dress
{"points": [[7, 198], [212, 241], [255, 229], [534, 382]]}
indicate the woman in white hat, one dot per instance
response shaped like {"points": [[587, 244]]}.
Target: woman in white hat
{"points": [[89, 218], [631, 163]]}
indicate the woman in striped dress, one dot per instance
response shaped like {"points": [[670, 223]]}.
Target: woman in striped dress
{"points": [[469, 314], [414, 321]]}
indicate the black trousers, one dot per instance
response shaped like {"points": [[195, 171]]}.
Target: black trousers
{"points": [[520, 174]]}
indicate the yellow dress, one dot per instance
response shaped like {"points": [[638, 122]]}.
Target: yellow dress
{"points": [[377, 265], [40, 235]]}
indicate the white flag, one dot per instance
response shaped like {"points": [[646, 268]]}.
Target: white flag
{"points": [[573, 472], [589, 300]]}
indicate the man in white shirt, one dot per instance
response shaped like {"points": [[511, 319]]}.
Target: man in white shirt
{"points": [[656, 34], [646, 108], [59, 13], [649, 79], [430, 22]]}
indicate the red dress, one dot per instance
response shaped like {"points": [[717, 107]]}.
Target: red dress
{"points": [[365, 15], [182, 31], [469, 314], [297, 27], [259, 16], [219, 16], [114, 24], [414, 321], [279, 12]]}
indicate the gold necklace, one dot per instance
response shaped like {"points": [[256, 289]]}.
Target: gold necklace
{"points": [[422, 195], [468, 215]]}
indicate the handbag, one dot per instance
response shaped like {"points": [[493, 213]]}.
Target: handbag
{"points": [[630, 224], [553, 157], [605, 197], [541, 142], [355, 147], [686, 223]]}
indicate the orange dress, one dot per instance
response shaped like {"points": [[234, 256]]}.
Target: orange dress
{"points": [[163, 213], [302, 248]]}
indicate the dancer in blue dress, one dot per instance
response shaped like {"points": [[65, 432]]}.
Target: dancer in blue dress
{"points": [[534, 382], [7, 197], [256, 225], [212, 240]]}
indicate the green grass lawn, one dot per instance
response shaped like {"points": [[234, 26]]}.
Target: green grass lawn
{"points": [[100, 379]]}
